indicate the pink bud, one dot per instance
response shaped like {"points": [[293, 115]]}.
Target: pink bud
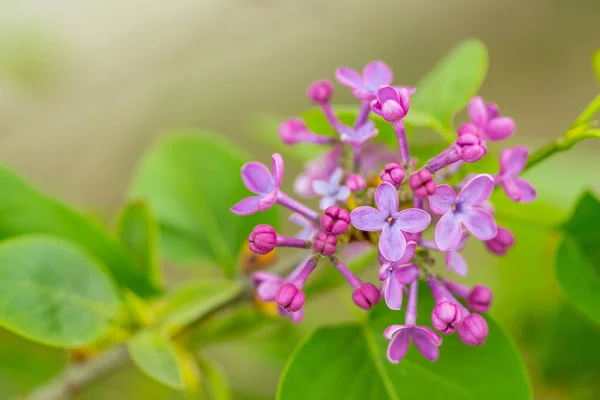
{"points": [[446, 316], [320, 91], [474, 330], [355, 183], [291, 130], [500, 244], [366, 296], [325, 243], [479, 299], [290, 298], [263, 239], [392, 173], [422, 183], [472, 147], [335, 220]]}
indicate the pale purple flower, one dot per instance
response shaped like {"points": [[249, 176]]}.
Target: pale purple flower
{"points": [[294, 130], [500, 244], [374, 75], [397, 274], [512, 163], [425, 339], [461, 209], [389, 221], [474, 330], [358, 136], [455, 261], [391, 104], [331, 190], [446, 316], [267, 285], [258, 179], [308, 230], [320, 169], [487, 121], [355, 182]]}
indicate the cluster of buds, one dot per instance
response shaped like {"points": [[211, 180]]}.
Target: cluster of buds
{"points": [[370, 193]]}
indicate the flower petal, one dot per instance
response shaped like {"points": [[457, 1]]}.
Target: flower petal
{"points": [[455, 261], [480, 223], [406, 274], [408, 253], [246, 206], [499, 128], [412, 220], [515, 161], [528, 193], [320, 187], [511, 189], [386, 198], [297, 316], [326, 201], [266, 201], [336, 177], [267, 291], [443, 199], [392, 293], [377, 74], [257, 178], [343, 193], [349, 77], [425, 344], [477, 111], [448, 232], [368, 219], [398, 346], [435, 337], [389, 332], [277, 168], [477, 190], [386, 93], [392, 243]]}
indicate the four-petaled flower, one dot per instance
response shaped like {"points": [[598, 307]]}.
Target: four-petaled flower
{"points": [[258, 179], [461, 210], [331, 190], [374, 75], [397, 274], [512, 163], [454, 260], [358, 136], [391, 104], [486, 119], [389, 221], [424, 338]]}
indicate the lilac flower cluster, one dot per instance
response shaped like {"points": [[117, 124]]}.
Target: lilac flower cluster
{"points": [[369, 193]]}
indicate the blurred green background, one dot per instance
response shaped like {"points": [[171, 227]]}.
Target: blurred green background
{"points": [[86, 87]]}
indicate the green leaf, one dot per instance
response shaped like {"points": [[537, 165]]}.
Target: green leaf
{"points": [[53, 292], [24, 210], [596, 64], [577, 262], [156, 356], [190, 181], [449, 86], [215, 385], [137, 230], [194, 300], [352, 365]]}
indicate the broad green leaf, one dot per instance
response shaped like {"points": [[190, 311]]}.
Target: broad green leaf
{"points": [[596, 64], [191, 180], [156, 356], [137, 230], [194, 300], [53, 292], [23, 210], [449, 86], [214, 381], [352, 365]]}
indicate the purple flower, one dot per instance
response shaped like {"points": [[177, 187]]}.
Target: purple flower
{"points": [[391, 104], [325, 243], [392, 173], [397, 274], [335, 220], [422, 183], [500, 244], [512, 163], [294, 131], [479, 297], [389, 221], [446, 316], [366, 296], [474, 330], [355, 182], [290, 297], [320, 169], [258, 179], [462, 210], [455, 261], [331, 190], [267, 285], [358, 136], [320, 91], [486, 120], [263, 239], [365, 86], [308, 230]]}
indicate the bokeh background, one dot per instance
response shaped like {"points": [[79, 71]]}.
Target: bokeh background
{"points": [[86, 87]]}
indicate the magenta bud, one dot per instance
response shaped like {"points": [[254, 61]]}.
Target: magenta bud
{"points": [[291, 130], [392, 173], [392, 111], [355, 183], [290, 298], [335, 220], [479, 299], [325, 243], [366, 296], [446, 316], [320, 91], [422, 183], [472, 147], [474, 330], [500, 244], [263, 239]]}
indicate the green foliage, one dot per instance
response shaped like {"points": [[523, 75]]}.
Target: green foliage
{"points": [[53, 292], [449, 86], [596, 64], [578, 258], [352, 365], [214, 381], [156, 356], [189, 180], [137, 230], [23, 210]]}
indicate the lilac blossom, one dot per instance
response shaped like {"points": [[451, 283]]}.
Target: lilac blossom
{"points": [[446, 316], [335, 220], [487, 122], [461, 209], [294, 131], [290, 296], [263, 239], [308, 230], [389, 221], [512, 163], [331, 190], [425, 339], [355, 183], [258, 179], [320, 169], [473, 330], [396, 275], [365, 295], [453, 259], [500, 243], [364, 86], [479, 297], [357, 137], [392, 105]]}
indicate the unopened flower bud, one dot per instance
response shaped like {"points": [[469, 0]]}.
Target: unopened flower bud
{"points": [[472, 147], [263, 239], [480, 299], [335, 220], [474, 330], [320, 91], [366, 296], [290, 298], [422, 183], [392, 173], [500, 244], [355, 183], [446, 316], [325, 243], [292, 130]]}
